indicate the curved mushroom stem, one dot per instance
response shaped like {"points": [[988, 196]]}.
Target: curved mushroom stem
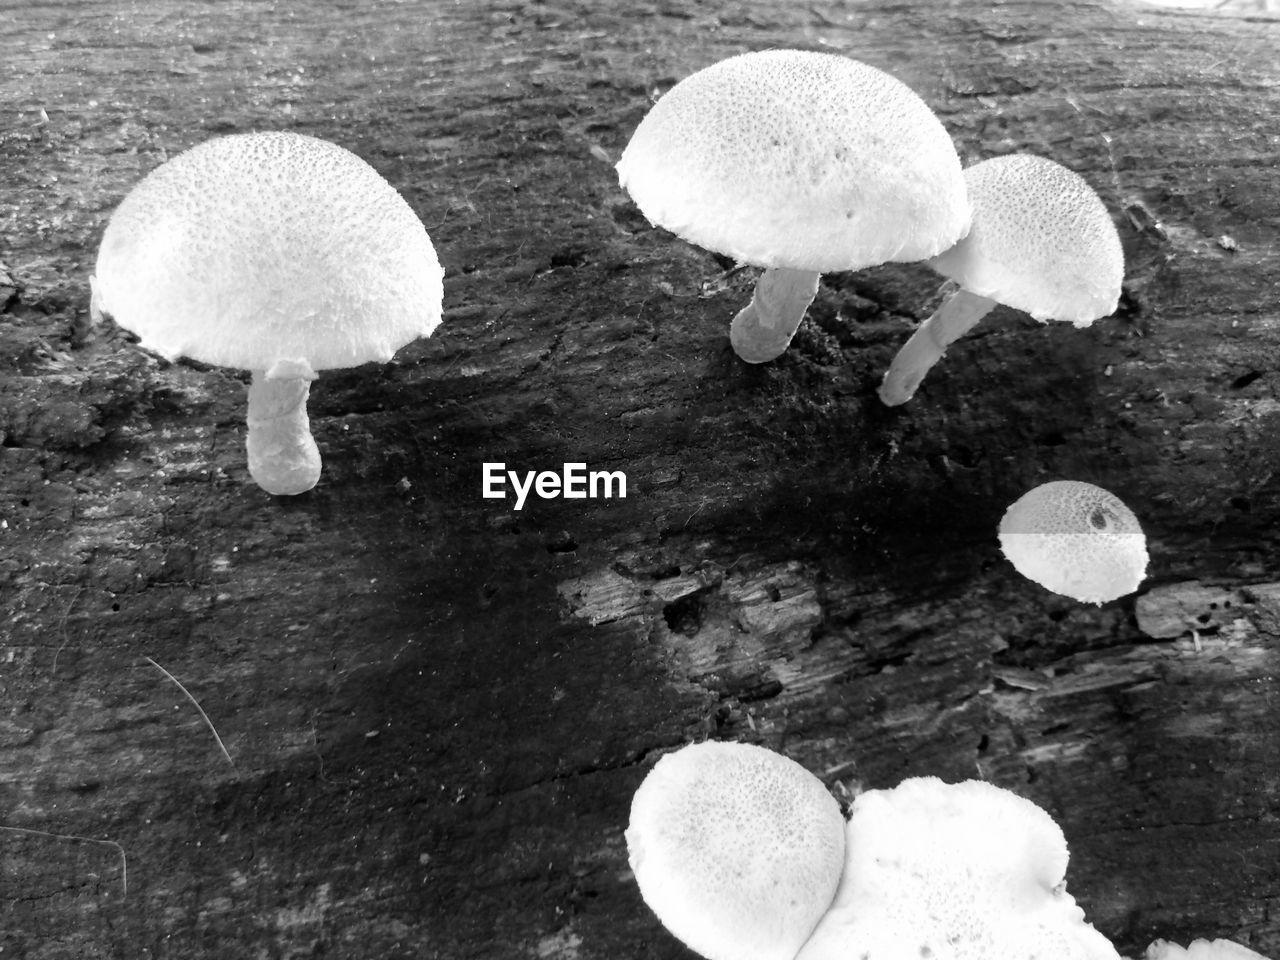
{"points": [[763, 328], [957, 315], [283, 458]]}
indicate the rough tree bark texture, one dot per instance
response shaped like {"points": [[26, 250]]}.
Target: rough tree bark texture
{"points": [[437, 708]]}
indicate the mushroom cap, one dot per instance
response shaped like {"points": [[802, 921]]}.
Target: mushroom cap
{"points": [[1200, 950], [260, 249], [1041, 241], [736, 848], [964, 871], [1075, 539], [790, 158]]}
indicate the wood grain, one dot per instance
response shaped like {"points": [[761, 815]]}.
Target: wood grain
{"points": [[438, 708]]}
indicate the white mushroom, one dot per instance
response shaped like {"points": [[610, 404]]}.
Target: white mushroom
{"points": [[737, 849], [1075, 539], [1041, 241], [273, 252], [965, 871], [1200, 950], [802, 163]]}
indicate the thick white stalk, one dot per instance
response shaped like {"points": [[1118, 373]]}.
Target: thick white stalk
{"points": [[763, 328], [283, 458], [952, 320]]}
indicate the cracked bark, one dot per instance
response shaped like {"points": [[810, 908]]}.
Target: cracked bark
{"points": [[438, 708]]}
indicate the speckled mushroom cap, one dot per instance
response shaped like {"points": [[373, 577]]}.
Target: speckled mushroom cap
{"points": [[264, 248], [1041, 241], [964, 871], [736, 848], [1200, 950], [1075, 539], [788, 158]]}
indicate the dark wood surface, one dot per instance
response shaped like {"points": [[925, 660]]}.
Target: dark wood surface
{"points": [[436, 708]]}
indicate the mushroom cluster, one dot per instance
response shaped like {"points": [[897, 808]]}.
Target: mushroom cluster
{"points": [[803, 163], [738, 852], [277, 253]]}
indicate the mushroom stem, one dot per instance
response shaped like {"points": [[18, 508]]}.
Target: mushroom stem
{"points": [[283, 458], [763, 328], [957, 315]]}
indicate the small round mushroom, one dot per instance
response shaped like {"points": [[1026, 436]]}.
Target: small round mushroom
{"points": [[1075, 539], [799, 162], [737, 849], [1041, 241], [964, 871], [274, 252]]}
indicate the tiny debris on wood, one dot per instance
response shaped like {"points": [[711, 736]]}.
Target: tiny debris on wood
{"points": [[1169, 611]]}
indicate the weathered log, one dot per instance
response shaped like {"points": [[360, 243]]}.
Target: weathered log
{"points": [[437, 707]]}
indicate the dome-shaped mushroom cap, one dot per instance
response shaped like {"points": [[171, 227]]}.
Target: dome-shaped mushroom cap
{"points": [[736, 848], [1041, 241], [253, 249], [964, 871], [788, 158], [1075, 539]]}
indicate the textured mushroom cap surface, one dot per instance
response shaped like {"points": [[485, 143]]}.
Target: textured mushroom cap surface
{"points": [[736, 848], [1075, 539], [964, 871], [1200, 950], [787, 158], [252, 249], [1041, 241]]}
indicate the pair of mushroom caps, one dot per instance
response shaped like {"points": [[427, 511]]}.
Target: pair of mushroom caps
{"points": [[805, 163], [744, 855], [274, 252]]}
